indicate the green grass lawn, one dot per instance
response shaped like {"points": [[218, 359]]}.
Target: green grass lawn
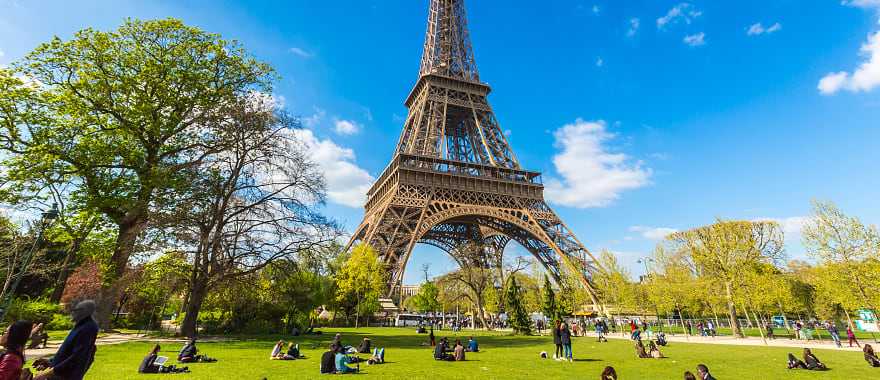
{"points": [[502, 357]]}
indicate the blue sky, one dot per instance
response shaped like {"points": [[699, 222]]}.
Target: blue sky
{"points": [[645, 116]]}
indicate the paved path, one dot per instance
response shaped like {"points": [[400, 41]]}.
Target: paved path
{"points": [[112, 338], [748, 341]]}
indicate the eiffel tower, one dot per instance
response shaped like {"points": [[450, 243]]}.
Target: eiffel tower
{"points": [[453, 179]]}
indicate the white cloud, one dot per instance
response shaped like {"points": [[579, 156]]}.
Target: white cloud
{"points": [[346, 127], [681, 12], [653, 233], [865, 77], [599, 62], [758, 29], [2, 53], [633, 27], [596, 9], [301, 52], [591, 175], [312, 120], [347, 183], [862, 3], [698, 39]]}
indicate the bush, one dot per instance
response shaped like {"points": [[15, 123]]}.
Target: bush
{"points": [[60, 322], [36, 311]]}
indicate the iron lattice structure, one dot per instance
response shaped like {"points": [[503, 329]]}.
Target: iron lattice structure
{"points": [[454, 180]]}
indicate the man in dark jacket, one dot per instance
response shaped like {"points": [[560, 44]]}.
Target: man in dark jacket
{"points": [[76, 354]]}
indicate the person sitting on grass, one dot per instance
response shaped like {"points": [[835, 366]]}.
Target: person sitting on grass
{"points": [[813, 363], [190, 354], [688, 375], [293, 351], [703, 372], [640, 350], [472, 345], [276, 351], [364, 348], [870, 356], [38, 337], [608, 374], [441, 351], [661, 339], [12, 361], [654, 351], [149, 365], [378, 356], [328, 361], [458, 351], [795, 363], [342, 360]]}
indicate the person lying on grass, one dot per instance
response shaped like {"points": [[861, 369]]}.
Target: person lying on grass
{"points": [[795, 363], [190, 354], [870, 356], [278, 353], [813, 363], [654, 351], [151, 364], [640, 350], [378, 356]]}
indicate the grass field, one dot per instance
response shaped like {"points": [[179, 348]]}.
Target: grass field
{"points": [[502, 357]]}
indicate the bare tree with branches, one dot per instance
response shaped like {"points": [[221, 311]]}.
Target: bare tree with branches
{"points": [[250, 206]]}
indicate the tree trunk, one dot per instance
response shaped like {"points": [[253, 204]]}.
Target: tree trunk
{"points": [[198, 292], [731, 310], [61, 282], [784, 318], [125, 241]]}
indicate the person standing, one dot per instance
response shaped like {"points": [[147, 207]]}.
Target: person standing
{"points": [[851, 336], [14, 340], [557, 340], [565, 339], [832, 330], [77, 353]]}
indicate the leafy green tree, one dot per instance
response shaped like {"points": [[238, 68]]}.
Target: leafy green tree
{"points": [[516, 313], [124, 114], [428, 297], [722, 251], [850, 250], [548, 305], [361, 282]]}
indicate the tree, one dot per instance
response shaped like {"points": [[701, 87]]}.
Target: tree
{"points": [[723, 250], [517, 315], [427, 298], [548, 304], [361, 281], [124, 114], [251, 205], [848, 248]]}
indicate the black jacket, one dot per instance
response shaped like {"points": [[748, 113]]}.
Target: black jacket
{"points": [[556, 337], [328, 363], [77, 353], [565, 336]]}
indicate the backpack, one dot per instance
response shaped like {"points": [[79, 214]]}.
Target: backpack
{"points": [[328, 363]]}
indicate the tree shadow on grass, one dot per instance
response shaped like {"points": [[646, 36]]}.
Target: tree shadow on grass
{"points": [[588, 360]]}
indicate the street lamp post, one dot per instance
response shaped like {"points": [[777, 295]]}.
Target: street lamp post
{"points": [[645, 261], [47, 218]]}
